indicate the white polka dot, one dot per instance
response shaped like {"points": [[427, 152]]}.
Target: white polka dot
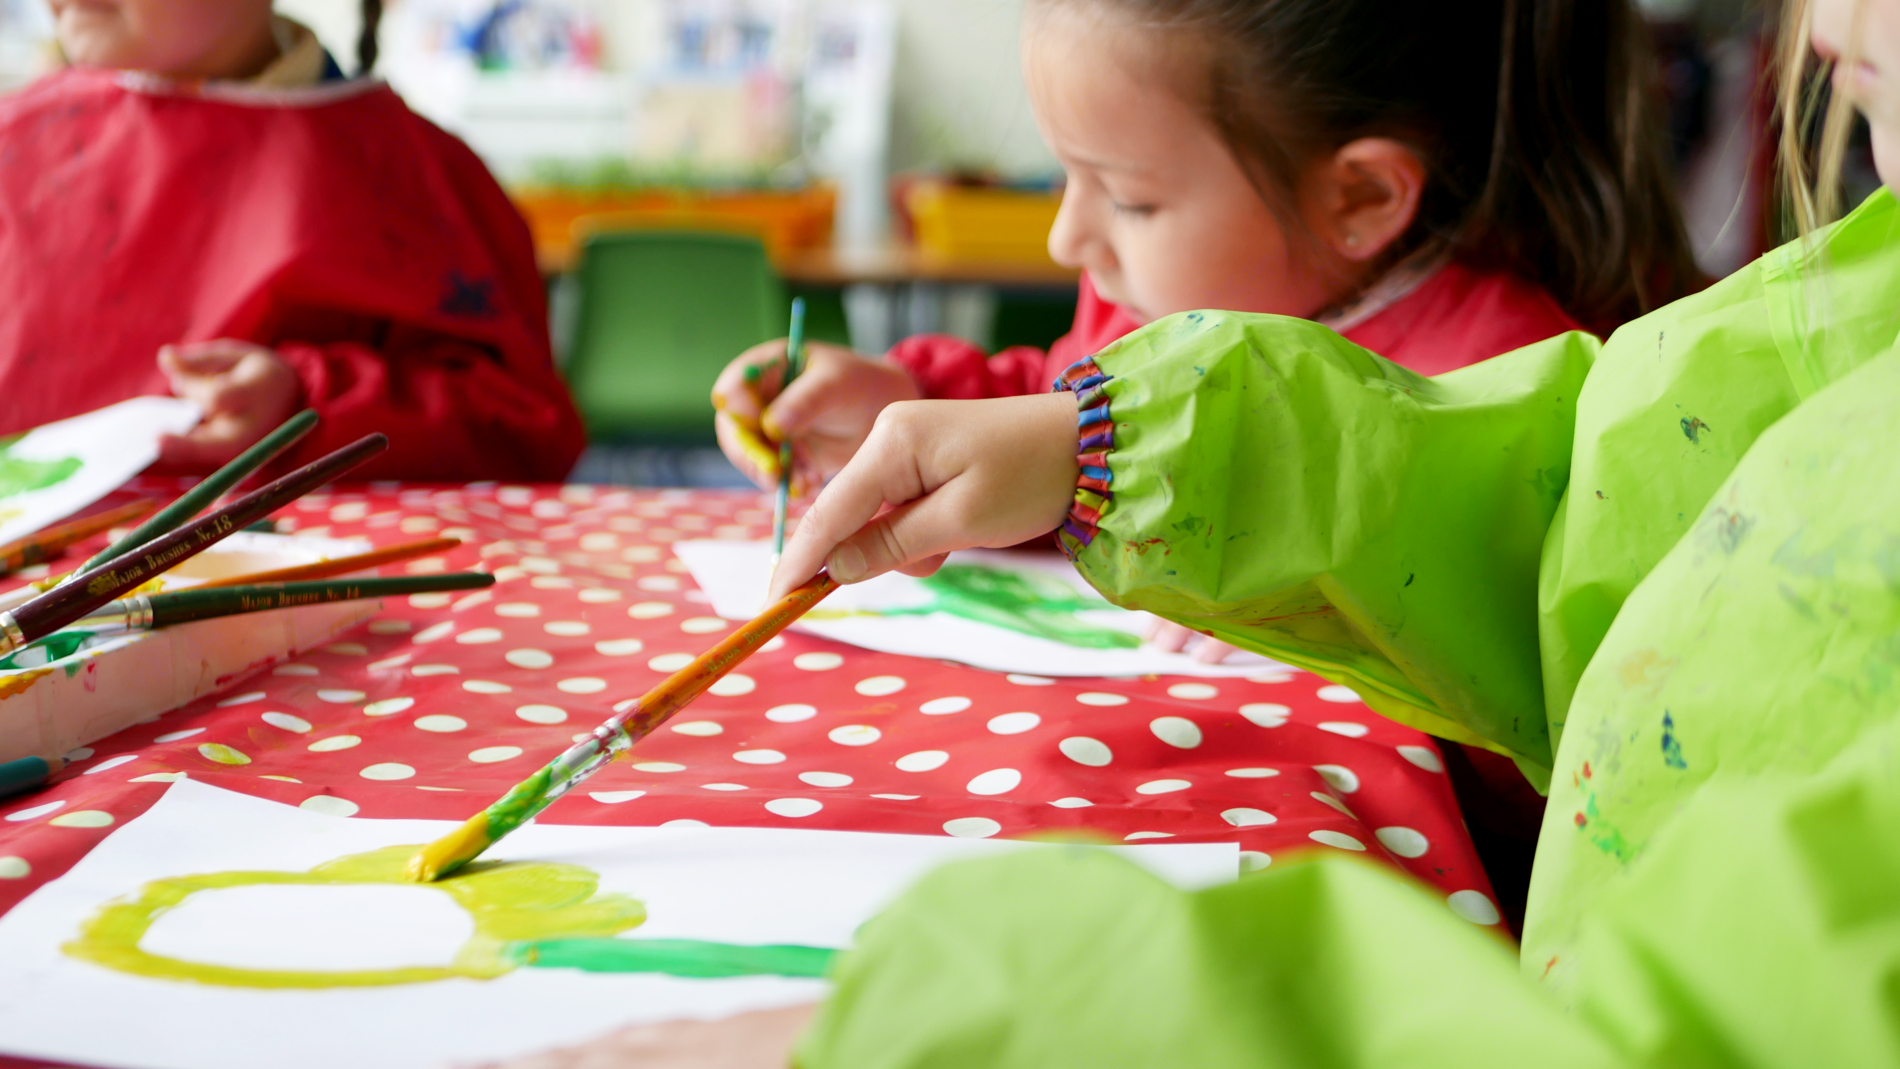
{"points": [[793, 807], [732, 685], [899, 797], [995, 781], [36, 811], [1086, 751], [971, 827], [817, 662], [518, 610], [222, 754], [542, 714], [790, 714], [432, 634], [1163, 786], [329, 805], [488, 755], [1072, 803], [879, 686], [1338, 777], [1134, 835], [241, 699], [1266, 714], [435, 670], [1254, 860], [158, 777], [647, 610], [619, 647], [441, 723], [1337, 693], [176, 735], [758, 757], [482, 598], [1423, 757], [336, 742], [684, 823], [615, 797], [700, 728], [479, 637], [1194, 692], [429, 601], [82, 818], [1252, 773], [526, 658], [1345, 727], [340, 697], [1327, 799], [1336, 838], [294, 670], [1101, 698], [487, 686], [922, 761], [388, 706], [1474, 907], [773, 644], [703, 625], [940, 706], [825, 779], [14, 868], [79, 755], [659, 766], [347, 649], [596, 595], [581, 685], [723, 787], [1177, 731], [670, 662], [1248, 818], [1404, 842], [126, 759], [388, 770], [566, 628], [854, 735], [1013, 723], [1029, 681]]}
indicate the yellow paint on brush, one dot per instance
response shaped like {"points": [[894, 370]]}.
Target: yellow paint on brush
{"points": [[762, 454], [507, 901], [450, 852]]}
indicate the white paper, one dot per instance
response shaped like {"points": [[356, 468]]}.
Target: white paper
{"points": [[91, 456], [736, 576], [735, 885]]}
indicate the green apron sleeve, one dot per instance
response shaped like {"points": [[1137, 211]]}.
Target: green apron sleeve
{"points": [[1054, 959], [1262, 479]]}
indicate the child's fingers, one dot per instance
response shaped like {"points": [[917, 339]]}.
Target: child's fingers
{"points": [[740, 440], [198, 451], [1212, 651], [203, 357], [1168, 636], [752, 377], [845, 506]]}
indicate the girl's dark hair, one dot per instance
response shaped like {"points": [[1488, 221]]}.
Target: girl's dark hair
{"points": [[366, 41], [1534, 119]]}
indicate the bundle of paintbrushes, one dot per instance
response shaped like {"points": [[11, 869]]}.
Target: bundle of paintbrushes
{"points": [[613, 738]]}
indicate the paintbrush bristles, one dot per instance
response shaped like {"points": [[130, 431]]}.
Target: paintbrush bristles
{"points": [[450, 852]]}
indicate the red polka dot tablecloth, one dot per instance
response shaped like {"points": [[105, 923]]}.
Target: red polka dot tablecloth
{"points": [[442, 702]]}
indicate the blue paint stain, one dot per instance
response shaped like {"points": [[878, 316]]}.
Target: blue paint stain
{"points": [[1692, 429], [1671, 749]]}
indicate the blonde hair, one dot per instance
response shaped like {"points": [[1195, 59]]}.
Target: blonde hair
{"points": [[1813, 197]]}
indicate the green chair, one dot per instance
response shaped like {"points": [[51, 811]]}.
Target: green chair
{"points": [[660, 313]]}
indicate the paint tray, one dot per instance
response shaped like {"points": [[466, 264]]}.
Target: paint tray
{"points": [[108, 683]]}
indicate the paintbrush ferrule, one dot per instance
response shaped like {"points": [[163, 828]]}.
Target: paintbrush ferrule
{"points": [[11, 635], [126, 614]]}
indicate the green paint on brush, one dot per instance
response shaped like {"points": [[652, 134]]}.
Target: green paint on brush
{"points": [[690, 958], [515, 808], [1028, 603]]}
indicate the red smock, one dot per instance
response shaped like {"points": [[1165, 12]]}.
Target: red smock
{"points": [[370, 249], [1454, 317]]}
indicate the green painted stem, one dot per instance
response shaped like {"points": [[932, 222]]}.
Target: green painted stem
{"points": [[671, 957]]}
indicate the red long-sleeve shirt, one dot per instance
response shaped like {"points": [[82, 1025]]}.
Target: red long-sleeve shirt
{"points": [[1454, 317], [370, 249]]}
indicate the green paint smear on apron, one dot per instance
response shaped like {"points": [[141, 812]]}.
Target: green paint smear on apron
{"points": [[674, 957], [527, 914], [1025, 602]]}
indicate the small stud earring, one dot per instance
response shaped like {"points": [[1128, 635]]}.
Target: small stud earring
{"points": [[1352, 239]]}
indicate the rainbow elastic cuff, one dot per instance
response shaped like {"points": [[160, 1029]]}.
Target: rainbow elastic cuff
{"points": [[1095, 434]]}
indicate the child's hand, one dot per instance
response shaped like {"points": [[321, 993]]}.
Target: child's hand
{"points": [[246, 391], [762, 1039], [959, 473], [1170, 637], [827, 412]]}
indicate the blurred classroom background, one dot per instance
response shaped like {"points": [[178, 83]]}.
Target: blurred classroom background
{"points": [[688, 166]]}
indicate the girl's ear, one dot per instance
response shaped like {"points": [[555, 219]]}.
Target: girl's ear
{"points": [[1367, 195]]}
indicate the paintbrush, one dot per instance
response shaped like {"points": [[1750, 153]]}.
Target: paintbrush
{"points": [[611, 739], [324, 569], [143, 612], [794, 364], [189, 504], [94, 587], [49, 542]]}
